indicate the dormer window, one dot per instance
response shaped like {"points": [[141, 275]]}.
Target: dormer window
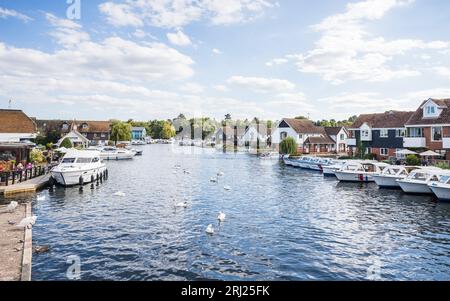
{"points": [[431, 110], [84, 126]]}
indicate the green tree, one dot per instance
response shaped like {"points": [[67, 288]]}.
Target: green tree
{"points": [[288, 146], [37, 156], [120, 131], [168, 131], [300, 117], [412, 160], [66, 143]]}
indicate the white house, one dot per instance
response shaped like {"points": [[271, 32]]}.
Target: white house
{"points": [[339, 135], [75, 137]]}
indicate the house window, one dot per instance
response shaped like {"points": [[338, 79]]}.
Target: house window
{"points": [[342, 137], [283, 135], [415, 132], [84, 126], [102, 135], [384, 151], [368, 150], [400, 133], [365, 133], [436, 133], [300, 136], [384, 133], [431, 110]]}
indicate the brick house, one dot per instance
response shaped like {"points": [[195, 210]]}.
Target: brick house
{"points": [[429, 127], [380, 134]]}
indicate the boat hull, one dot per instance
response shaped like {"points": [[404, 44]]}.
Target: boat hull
{"points": [[117, 156], [441, 192], [71, 178], [329, 171], [354, 177], [415, 187], [387, 182]]}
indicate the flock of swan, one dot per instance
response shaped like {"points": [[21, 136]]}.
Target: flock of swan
{"points": [[27, 222]]}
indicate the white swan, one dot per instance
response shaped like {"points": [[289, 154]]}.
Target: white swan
{"points": [[187, 172], [226, 187], [119, 193], [40, 198], [27, 222], [210, 229], [182, 205], [12, 206], [213, 179], [221, 216], [220, 174]]}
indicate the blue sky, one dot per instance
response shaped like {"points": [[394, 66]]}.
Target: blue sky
{"points": [[147, 59]]}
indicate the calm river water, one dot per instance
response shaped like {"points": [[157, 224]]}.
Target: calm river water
{"points": [[281, 224]]}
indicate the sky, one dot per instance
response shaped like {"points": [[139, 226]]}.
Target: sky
{"points": [[154, 59]]}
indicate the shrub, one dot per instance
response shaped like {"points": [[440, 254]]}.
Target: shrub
{"points": [[37, 156], [66, 143], [370, 156], [442, 165], [412, 160], [288, 146]]}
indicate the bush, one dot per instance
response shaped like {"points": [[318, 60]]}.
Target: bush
{"points": [[288, 146], [66, 143], [412, 160], [370, 156], [37, 156], [442, 165]]}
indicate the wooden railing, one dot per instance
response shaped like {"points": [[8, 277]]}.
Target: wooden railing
{"points": [[18, 176]]}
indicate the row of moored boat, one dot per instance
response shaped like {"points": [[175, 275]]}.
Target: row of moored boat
{"points": [[411, 179]]}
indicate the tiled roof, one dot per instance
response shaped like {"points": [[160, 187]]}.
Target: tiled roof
{"points": [[333, 130], [16, 121], [389, 119], [444, 118], [93, 126], [304, 126], [319, 140]]}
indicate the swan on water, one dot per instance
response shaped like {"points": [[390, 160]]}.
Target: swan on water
{"points": [[213, 179], [220, 174], [227, 187], [210, 229], [27, 222], [119, 193], [40, 198], [221, 216], [182, 205], [12, 206]]}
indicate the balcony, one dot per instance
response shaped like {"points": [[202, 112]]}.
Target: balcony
{"points": [[414, 142], [446, 142], [351, 141]]}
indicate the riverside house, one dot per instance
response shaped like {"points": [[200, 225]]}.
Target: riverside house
{"points": [[380, 134], [16, 129], [138, 133], [97, 132], [339, 135], [429, 127], [309, 137]]}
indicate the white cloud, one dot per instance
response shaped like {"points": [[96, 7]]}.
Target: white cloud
{"points": [[192, 88], [178, 13], [7, 13], [216, 51], [67, 32], [443, 71], [260, 84], [179, 38], [221, 88], [277, 61], [429, 93], [347, 51]]}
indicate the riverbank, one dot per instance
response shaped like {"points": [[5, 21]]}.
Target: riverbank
{"points": [[32, 185], [15, 245]]}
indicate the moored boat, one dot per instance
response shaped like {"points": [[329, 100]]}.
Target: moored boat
{"points": [[360, 171], [78, 166], [418, 180], [388, 178], [441, 188], [113, 153], [329, 170]]}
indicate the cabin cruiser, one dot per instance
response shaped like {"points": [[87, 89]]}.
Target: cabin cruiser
{"points": [[442, 188], [419, 180], [78, 166], [388, 178], [138, 142], [113, 153], [360, 171], [329, 170]]}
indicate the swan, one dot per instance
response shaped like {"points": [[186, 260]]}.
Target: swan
{"points": [[182, 205], [119, 193], [220, 174], [40, 198], [210, 229], [27, 222], [12, 206], [187, 172], [227, 187], [221, 216], [214, 180]]}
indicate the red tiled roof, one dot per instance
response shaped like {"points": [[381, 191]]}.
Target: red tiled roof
{"points": [[16, 121], [444, 118], [93, 126], [333, 130], [304, 126], [319, 140], [389, 119]]}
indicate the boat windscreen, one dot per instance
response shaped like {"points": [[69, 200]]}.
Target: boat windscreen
{"points": [[84, 160], [68, 160]]}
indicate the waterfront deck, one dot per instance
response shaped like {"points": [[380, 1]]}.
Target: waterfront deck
{"points": [[25, 187], [15, 245]]}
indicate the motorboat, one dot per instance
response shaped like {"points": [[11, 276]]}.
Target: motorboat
{"points": [[360, 171], [270, 156], [419, 180], [442, 188], [138, 142], [78, 166], [113, 153], [388, 178], [329, 170], [304, 161]]}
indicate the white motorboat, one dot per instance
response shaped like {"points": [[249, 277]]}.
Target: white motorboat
{"points": [[329, 170], [442, 188], [388, 178], [113, 153], [418, 180], [304, 161], [78, 166], [360, 171], [138, 142]]}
